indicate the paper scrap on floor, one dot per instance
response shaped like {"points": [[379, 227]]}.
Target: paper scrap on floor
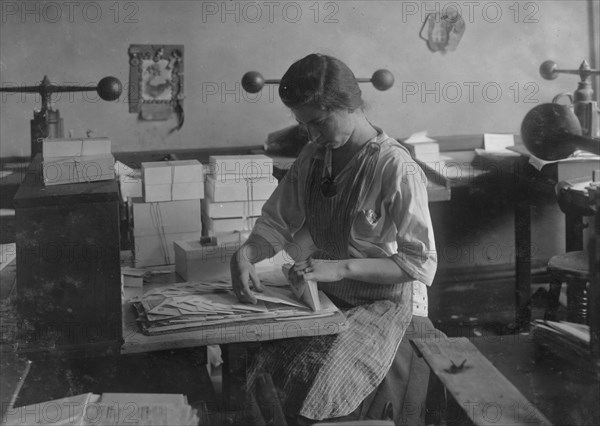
{"points": [[107, 409], [8, 253]]}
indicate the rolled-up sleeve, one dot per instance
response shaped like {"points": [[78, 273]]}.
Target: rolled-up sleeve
{"points": [[410, 211], [283, 214]]}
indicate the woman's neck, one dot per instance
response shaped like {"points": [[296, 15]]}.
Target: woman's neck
{"points": [[363, 132]]}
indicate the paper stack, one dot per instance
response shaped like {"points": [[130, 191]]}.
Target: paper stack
{"points": [[156, 226], [236, 188], [496, 144], [422, 148], [305, 290], [107, 409], [67, 161], [130, 181], [194, 305]]}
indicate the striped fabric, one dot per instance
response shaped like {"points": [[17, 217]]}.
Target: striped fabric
{"points": [[329, 376]]}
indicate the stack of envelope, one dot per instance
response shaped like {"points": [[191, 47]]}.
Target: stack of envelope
{"points": [[192, 305]]}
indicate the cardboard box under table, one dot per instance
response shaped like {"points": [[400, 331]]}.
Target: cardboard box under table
{"points": [[68, 263], [172, 180], [156, 226]]}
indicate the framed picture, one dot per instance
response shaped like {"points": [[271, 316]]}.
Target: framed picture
{"points": [[155, 80]]}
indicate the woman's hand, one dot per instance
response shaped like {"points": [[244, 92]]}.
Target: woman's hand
{"points": [[324, 270], [296, 273], [244, 278]]}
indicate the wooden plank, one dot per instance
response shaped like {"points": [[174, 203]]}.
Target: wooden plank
{"points": [[486, 396], [268, 400]]}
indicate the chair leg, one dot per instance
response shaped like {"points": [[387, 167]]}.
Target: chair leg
{"points": [[553, 303], [577, 299], [388, 411]]}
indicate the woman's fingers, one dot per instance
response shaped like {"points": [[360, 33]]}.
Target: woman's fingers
{"points": [[299, 266], [242, 276], [245, 295], [256, 285]]}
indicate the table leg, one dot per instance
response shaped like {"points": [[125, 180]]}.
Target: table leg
{"points": [[573, 232], [523, 254]]}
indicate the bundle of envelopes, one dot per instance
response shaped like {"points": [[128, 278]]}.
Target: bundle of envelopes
{"points": [[192, 305], [107, 409]]}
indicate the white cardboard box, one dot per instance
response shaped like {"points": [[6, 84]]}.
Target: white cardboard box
{"points": [[68, 170], [155, 250], [162, 172], [236, 168], [172, 180], [230, 237], [196, 262], [75, 147], [173, 191], [231, 209], [258, 189], [169, 217], [220, 226]]}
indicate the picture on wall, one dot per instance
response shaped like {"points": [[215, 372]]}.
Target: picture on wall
{"points": [[156, 81]]}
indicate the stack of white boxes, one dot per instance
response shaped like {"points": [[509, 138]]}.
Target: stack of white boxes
{"points": [[67, 161], [236, 186], [169, 210]]}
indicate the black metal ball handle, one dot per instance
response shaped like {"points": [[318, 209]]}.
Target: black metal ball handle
{"points": [[109, 89], [549, 70]]}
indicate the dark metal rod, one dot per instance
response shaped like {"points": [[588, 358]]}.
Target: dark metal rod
{"points": [[275, 81], [48, 89], [577, 72]]}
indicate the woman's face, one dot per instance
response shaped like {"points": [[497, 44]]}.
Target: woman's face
{"points": [[330, 129]]}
